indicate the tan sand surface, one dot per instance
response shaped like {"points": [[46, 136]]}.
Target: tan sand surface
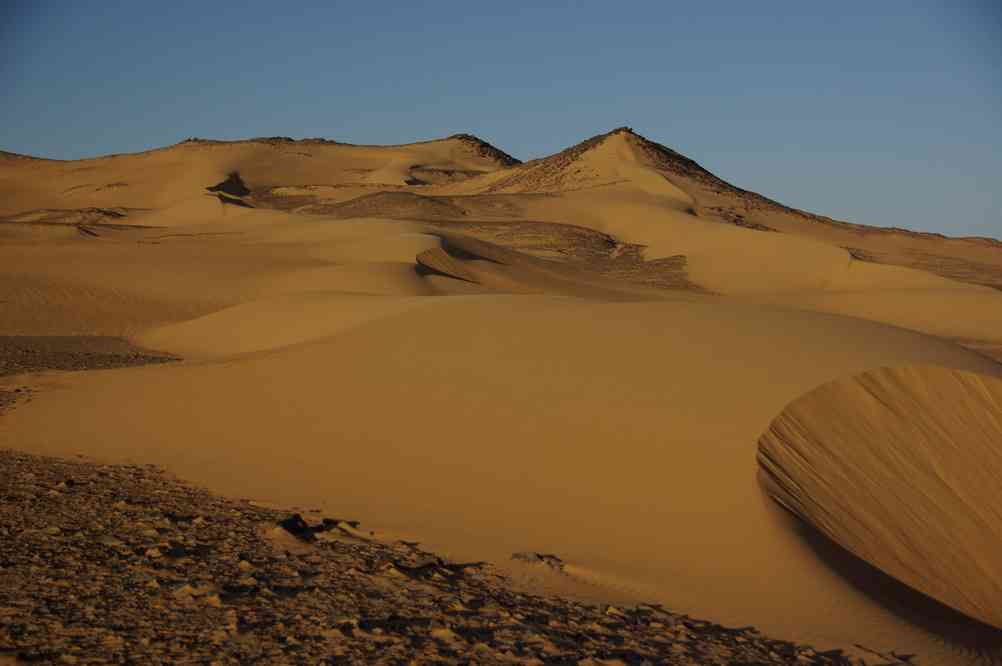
{"points": [[901, 467], [624, 452], [576, 355]]}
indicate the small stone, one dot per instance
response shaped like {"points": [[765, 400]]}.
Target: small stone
{"points": [[443, 634], [52, 531], [183, 592], [245, 565], [153, 553]]}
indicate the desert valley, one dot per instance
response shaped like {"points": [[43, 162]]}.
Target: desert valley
{"points": [[608, 373]]}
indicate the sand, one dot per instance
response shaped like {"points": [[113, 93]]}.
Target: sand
{"points": [[434, 375], [921, 445], [120, 564]]}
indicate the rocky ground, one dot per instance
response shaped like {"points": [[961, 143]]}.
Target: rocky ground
{"points": [[28, 353], [120, 564]]}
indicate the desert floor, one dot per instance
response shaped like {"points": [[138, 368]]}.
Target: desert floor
{"points": [[692, 395]]}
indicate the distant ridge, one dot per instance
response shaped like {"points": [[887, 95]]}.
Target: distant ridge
{"points": [[659, 156], [486, 149], [673, 163], [6, 155], [483, 148], [670, 161], [552, 173]]}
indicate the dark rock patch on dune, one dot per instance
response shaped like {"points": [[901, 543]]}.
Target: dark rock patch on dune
{"points": [[394, 205], [36, 353], [233, 185]]}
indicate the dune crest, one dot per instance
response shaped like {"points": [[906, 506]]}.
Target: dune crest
{"points": [[901, 467]]}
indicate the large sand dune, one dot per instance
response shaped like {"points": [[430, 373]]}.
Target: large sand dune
{"points": [[574, 355], [901, 467]]}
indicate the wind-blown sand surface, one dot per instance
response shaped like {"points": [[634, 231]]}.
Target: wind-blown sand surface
{"points": [[577, 355], [891, 435]]}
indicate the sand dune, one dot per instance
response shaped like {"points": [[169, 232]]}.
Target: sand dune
{"points": [[623, 452], [573, 355], [901, 467], [161, 178], [506, 271]]}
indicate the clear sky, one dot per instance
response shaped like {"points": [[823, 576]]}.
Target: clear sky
{"points": [[881, 112]]}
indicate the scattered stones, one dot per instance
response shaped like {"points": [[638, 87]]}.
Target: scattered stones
{"points": [[22, 353], [549, 560], [127, 566]]}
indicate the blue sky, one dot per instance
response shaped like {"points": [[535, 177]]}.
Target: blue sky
{"points": [[885, 113]]}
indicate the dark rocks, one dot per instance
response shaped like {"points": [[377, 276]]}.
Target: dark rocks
{"points": [[22, 354], [297, 527], [233, 185], [126, 566], [549, 560]]}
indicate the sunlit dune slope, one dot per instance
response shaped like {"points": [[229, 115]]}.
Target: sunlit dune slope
{"points": [[618, 435], [166, 177], [645, 193], [903, 468]]}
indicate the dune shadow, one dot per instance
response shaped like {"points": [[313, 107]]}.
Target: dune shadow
{"points": [[232, 201], [954, 629]]}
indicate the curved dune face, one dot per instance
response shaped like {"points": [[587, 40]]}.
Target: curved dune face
{"points": [[903, 468], [503, 270]]}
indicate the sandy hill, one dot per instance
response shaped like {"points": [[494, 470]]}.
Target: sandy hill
{"points": [[169, 177], [709, 197], [579, 355]]}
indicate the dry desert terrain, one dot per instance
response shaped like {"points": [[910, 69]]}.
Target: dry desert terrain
{"points": [[685, 393]]}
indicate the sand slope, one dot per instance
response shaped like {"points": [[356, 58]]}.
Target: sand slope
{"points": [[901, 467], [490, 425], [576, 355], [622, 185], [165, 178]]}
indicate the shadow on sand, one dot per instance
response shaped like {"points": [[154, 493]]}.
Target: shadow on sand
{"points": [[954, 630]]}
